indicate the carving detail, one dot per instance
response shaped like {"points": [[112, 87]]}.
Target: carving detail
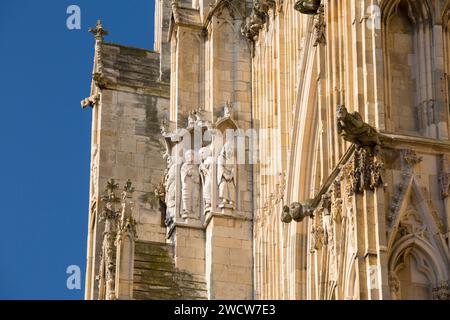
{"points": [[444, 175], [118, 222], [353, 129], [319, 27], [91, 101], [442, 291], [254, 23], [307, 6]]}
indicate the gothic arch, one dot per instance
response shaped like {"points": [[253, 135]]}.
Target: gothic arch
{"points": [[421, 247], [233, 10], [407, 47], [299, 163], [350, 284]]}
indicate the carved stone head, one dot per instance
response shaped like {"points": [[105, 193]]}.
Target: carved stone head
{"points": [[228, 150], [205, 153], [189, 156], [285, 215], [341, 112], [296, 211]]}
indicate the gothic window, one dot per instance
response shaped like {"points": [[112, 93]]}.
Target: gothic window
{"points": [[407, 52]]}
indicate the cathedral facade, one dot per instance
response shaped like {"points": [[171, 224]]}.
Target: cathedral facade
{"points": [[273, 149]]}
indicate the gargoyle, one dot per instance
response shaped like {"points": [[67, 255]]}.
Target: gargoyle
{"points": [[353, 129], [307, 6], [297, 212]]}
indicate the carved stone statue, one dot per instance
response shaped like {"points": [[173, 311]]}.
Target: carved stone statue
{"points": [[170, 184], [226, 177], [353, 129], [205, 173], [307, 6], [190, 182]]}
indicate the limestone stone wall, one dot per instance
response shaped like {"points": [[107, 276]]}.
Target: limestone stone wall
{"points": [[126, 140], [303, 67]]}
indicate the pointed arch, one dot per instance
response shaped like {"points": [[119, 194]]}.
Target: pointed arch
{"points": [[407, 30]]}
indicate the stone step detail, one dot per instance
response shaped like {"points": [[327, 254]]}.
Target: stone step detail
{"points": [[157, 278]]}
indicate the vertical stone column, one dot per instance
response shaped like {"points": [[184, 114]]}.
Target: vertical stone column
{"points": [[229, 256]]}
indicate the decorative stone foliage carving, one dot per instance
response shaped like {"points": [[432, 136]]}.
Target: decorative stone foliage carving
{"points": [[363, 172], [398, 196], [394, 285], [442, 291], [99, 32], [411, 157], [336, 201]]}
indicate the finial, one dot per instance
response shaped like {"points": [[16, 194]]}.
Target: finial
{"points": [[98, 31]]}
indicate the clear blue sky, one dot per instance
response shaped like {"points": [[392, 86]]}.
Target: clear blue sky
{"points": [[45, 71]]}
